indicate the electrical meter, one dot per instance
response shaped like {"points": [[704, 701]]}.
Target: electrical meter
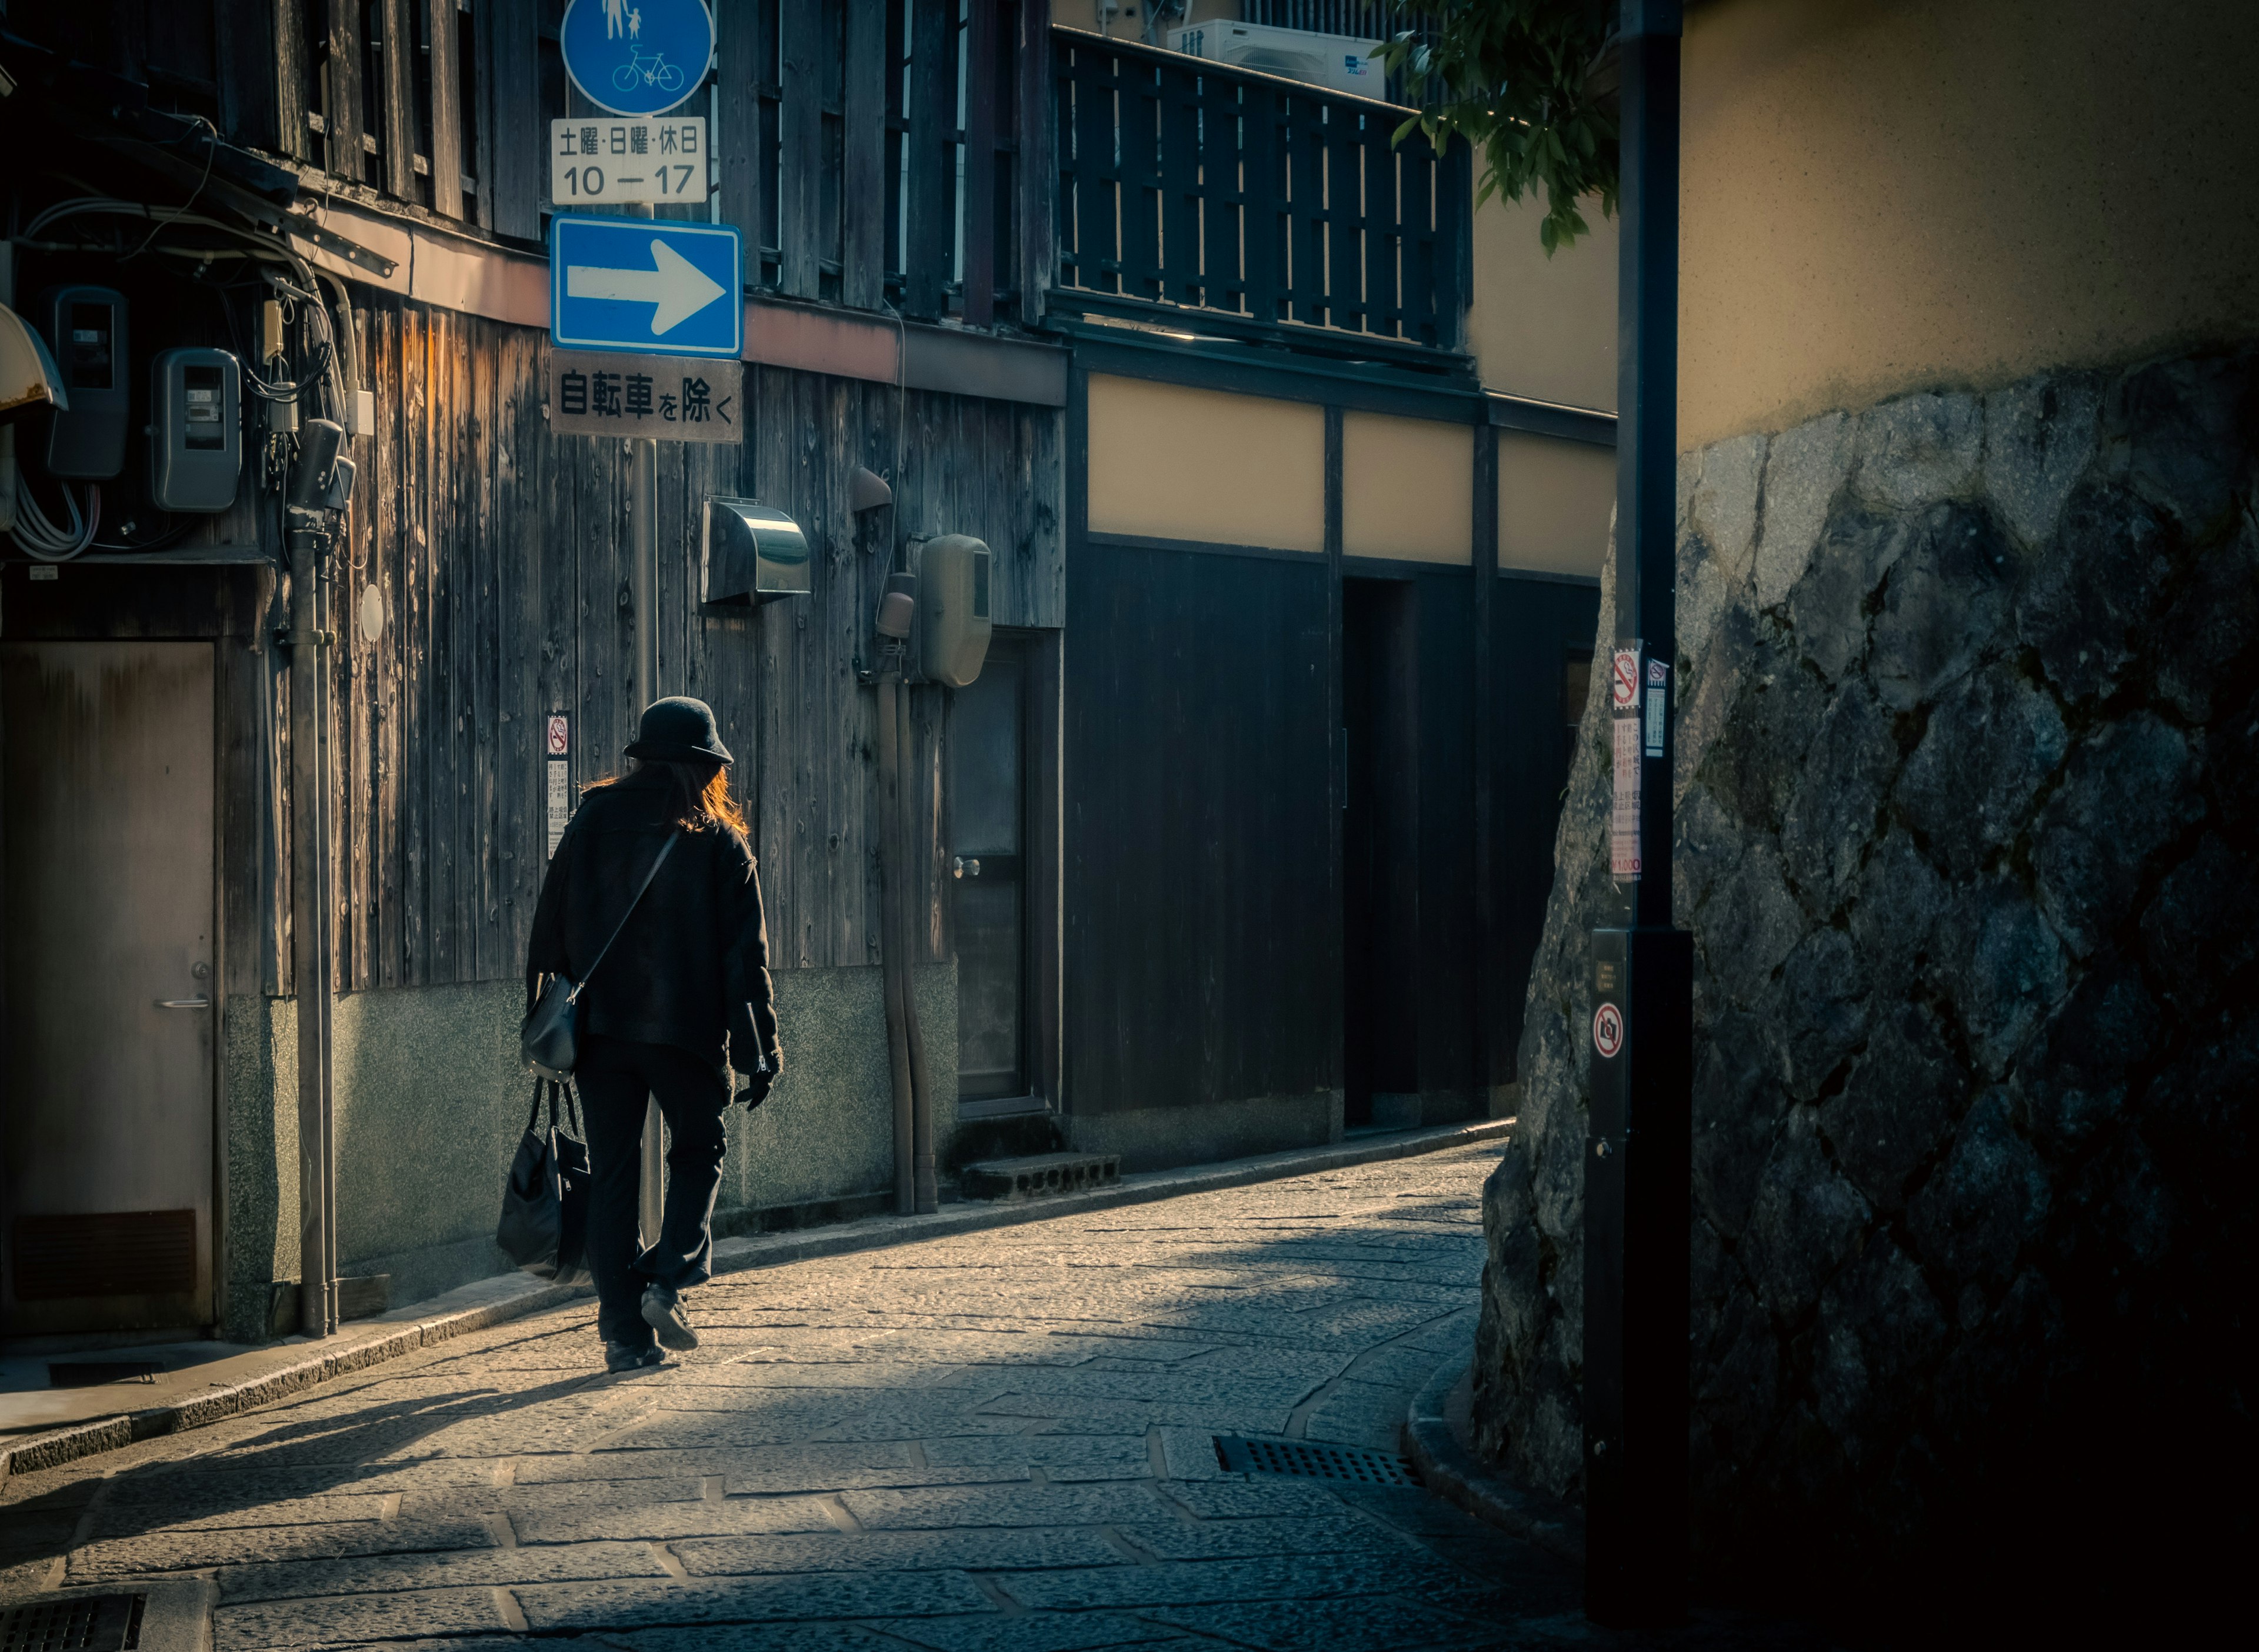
{"points": [[196, 428], [954, 608], [86, 329]]}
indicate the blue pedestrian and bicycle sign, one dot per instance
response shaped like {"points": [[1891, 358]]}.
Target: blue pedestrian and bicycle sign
{"points": [[646, 285], [637, 57]]}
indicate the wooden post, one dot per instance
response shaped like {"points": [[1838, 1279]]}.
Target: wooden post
{"points": [[932, 183], [863, 185], [1037, 175], [979, 305], [397, 65], [346, 149], [799, 219], [445, 159], [1488, 1062]]}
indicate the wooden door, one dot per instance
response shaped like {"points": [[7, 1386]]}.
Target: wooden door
{"points": [[988, 816], [112, 993]]}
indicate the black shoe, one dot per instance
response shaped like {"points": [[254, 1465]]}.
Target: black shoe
{"points": [[628, 1356], [662, 1311]]}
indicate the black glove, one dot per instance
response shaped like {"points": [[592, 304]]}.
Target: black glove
{"points": [[757, 1085]]}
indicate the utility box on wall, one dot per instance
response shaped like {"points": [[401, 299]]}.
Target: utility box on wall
{"points": [[752, 554], [952, 609]]}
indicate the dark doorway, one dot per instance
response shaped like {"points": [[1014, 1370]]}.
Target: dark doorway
{"points": [[111, 996], [987, 796], [1380, 853]]}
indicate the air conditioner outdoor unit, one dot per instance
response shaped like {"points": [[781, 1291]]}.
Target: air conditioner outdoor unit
{"points": [[1338, 62]]}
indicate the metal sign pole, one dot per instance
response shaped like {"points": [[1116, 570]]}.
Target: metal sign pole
{"points": [[1639, 1134], [642, 542]]}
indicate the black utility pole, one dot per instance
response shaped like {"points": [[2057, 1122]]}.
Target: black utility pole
{"points": [[1639, 1135]]}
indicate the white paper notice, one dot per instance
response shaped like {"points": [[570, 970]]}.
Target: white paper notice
{"points": [[1623, 820], [561, 799]]}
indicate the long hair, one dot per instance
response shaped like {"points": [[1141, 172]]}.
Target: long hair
{"points": [[699, 794]]}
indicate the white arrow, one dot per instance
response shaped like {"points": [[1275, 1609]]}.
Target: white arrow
{"points": [[676, 288]]}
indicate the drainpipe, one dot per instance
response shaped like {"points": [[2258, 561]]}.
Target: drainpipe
{"points": [[920, 1077], [915, 1188], [1638, 1150], [894, 966], [309, 535]]}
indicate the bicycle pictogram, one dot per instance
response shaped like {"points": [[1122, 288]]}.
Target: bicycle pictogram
{"points": [[646, 69]]}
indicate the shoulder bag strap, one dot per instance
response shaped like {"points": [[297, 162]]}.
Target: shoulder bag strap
{"points": [[534, 1117], [664, 849]]}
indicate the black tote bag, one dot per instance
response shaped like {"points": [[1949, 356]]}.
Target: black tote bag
{"points": [[544, 1205]]}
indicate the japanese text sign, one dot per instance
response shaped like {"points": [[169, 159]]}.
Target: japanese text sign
{"points": [[603, 161], [672, 398]]}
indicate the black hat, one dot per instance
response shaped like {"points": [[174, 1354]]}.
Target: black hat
{"points": [[679, 729]]}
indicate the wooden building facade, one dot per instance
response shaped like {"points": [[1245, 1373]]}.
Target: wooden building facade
{"points": [[956, 260]]}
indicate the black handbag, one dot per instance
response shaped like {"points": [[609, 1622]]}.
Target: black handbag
{"points": [[544, 1205], [549, 1037]]}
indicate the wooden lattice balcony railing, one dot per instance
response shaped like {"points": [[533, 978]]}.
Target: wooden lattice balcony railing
{"points": [[1272, 208]]}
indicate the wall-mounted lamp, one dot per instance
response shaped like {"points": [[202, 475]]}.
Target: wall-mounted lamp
{"points": [[867, 490], [28, 375], [752, 554]]}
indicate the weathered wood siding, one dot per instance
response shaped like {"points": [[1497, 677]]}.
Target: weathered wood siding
{"points": [[499, 554]]}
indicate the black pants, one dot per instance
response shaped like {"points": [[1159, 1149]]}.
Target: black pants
{"points": [[615, 1077]]}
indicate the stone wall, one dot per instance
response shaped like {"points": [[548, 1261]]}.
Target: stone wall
{"points": [[1968, 788]]}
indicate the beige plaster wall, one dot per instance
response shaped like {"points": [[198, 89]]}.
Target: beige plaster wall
{"points": [[1407, 489], [1172, 463], [1126, 21], [1540, 327], [1554, 498], [1883, 194]]}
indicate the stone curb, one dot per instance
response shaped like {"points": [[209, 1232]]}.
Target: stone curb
{"points": [[764, 1250], [1455, 1474], [108, 1434], [731, 1255]]}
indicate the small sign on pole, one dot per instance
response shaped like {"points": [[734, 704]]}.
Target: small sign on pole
{"points": [[560, 781], [600, 161], [1624, 751], [670, 398]]}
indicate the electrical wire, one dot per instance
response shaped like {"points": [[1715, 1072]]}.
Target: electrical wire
{"points": [[40, 538], [211, 154]]}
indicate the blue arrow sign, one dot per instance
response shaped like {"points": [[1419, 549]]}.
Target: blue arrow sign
{"points": [[646, 285], [637, 57]]}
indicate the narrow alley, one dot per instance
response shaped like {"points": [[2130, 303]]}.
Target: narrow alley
{"points": [[1004, 1441]]}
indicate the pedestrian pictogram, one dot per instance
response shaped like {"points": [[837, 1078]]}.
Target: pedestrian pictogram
{"points": [[1608, 1030]]}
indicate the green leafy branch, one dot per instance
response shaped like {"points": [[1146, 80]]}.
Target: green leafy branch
{"points": [[1517, 79]]}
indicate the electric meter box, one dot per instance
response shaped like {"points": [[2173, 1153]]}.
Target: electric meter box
{"points": [[952, 609], [754, 553], [196, 428], [86, 330]]}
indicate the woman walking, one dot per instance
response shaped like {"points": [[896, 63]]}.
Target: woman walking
{"points": [[681, 998]]}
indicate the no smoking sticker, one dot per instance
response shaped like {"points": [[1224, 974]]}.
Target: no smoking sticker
{"points": [[1623, 679], [1608, 1029], [557, 738]]}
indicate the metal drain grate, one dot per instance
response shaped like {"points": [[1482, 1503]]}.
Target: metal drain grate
{"points": [[1312, 1460], [73, 1623]]}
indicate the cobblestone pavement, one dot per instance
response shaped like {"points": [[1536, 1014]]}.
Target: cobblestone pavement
{"points": [[1002, 1442]]}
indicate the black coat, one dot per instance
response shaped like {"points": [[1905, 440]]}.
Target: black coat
{"points": [[691, 969]]}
